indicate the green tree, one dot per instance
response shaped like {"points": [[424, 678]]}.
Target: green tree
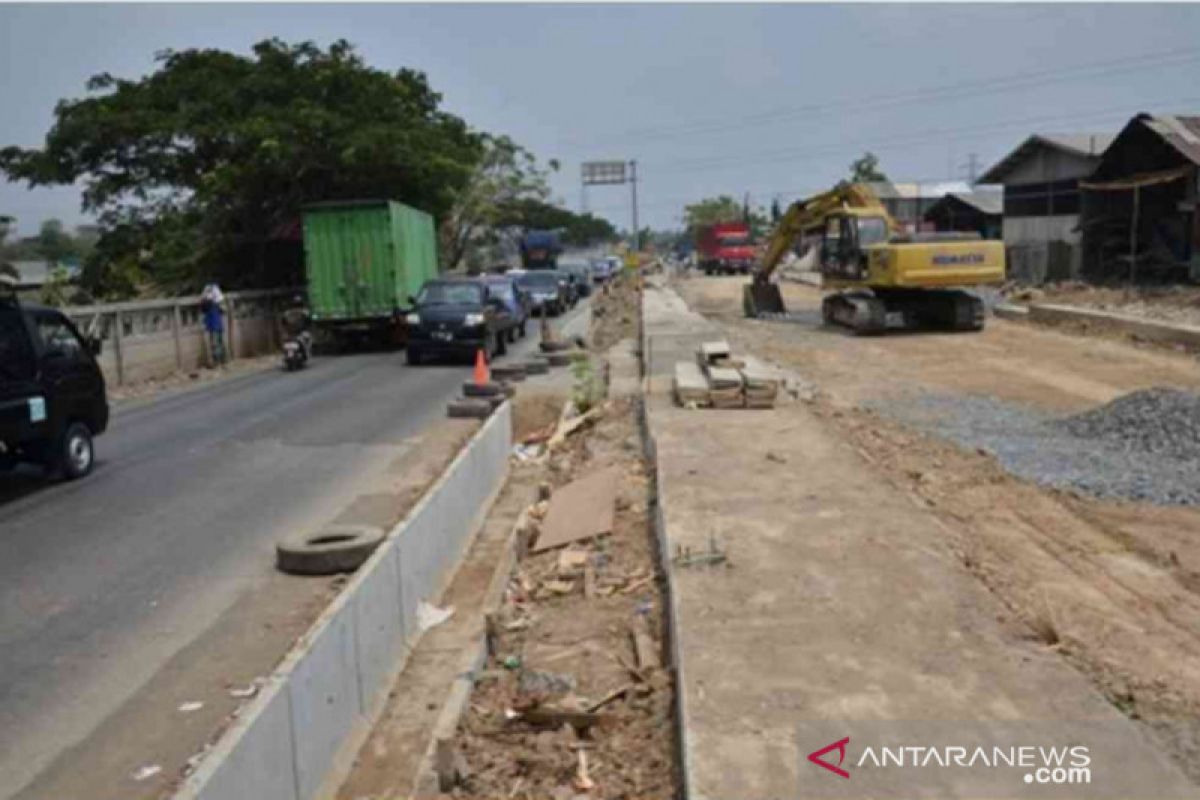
{"points": [[195, 169], [711, 211], [865, 169], [505, 176], [55, 244]]}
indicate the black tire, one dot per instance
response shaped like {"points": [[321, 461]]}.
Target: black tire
{"points": [[337, 548], [501, 343], [75, 455], [412, 356], [522, 328]]}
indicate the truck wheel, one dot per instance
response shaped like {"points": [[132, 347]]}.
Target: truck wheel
{"points": [[501, 343], [412, 356], [75, 454], [522, 329]]}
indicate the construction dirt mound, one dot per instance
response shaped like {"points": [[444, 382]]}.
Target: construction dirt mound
{"points": [[1160, 420]]}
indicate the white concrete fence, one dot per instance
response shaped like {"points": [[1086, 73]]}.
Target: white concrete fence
{"points": [[153, 338], [296, 740]]}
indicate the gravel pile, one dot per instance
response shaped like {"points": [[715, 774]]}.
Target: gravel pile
{"points": [[1165, 421], [1144, 446]]}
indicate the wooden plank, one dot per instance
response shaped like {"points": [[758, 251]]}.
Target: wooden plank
{"points": [[580, 510], [643, 646]]}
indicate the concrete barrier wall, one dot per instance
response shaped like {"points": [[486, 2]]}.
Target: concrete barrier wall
{"points": [[1149, 330], [154, 338], [296, 740]]}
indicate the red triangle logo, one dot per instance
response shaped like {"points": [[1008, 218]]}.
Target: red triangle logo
{"points": [[840, 746]]}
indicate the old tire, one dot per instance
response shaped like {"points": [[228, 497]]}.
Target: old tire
{"points": [[329, 551]]}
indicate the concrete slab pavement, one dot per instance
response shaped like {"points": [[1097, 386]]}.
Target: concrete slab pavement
{"points": [[844, 613]]}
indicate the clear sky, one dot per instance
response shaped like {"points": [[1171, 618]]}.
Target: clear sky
{"points": [[765, 99]]}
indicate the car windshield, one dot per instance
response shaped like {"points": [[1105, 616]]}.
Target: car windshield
{"points": [[541, 280], [450, 294], [872, 230], [501, 289], [16, 356]]}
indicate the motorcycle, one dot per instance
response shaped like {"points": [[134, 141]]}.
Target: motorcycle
{"points": [[296, 351]]}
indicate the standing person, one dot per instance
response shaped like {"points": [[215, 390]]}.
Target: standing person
{"points": [[214, 322]]}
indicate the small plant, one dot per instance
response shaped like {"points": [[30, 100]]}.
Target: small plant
{"points": [[589, 388]]}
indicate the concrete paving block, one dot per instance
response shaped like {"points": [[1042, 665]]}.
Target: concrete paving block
{"points": [[378, 628], [463, 407], [258, 763], [324, 700], [537, 366]]}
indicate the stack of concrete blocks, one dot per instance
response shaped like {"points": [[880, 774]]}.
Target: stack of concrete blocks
{"points": [[718, 380]]}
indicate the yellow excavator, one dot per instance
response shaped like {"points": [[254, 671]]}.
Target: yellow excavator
{"points": [[886, 278]]}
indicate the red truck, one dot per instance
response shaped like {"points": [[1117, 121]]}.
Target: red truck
{"points": [[725, 249]]}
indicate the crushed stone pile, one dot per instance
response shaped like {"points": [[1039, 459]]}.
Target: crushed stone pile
{"points": [[1143, 446], [1159, 420]]}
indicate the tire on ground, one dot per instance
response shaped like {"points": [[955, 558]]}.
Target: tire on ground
{"points": [[331, 550]]}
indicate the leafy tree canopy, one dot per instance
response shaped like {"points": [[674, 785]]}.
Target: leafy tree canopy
{"points": [[195, 170], [865, 169]]}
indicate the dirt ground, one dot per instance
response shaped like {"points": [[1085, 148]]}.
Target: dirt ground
{"points": [[1110, 587], [563, 641], [144, 390], [227, 661]]}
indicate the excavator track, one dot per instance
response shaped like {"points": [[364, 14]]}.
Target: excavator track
{"points": [[868, 312]]}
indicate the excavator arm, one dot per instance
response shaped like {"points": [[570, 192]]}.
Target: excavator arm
{"points": [[762, 296]]}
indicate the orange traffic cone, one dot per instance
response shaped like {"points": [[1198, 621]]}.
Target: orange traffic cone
{"points": [[482, 375]]}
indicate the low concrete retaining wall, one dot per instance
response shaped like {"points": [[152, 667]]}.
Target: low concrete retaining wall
{"points": [[148, 339], [297, 739], [1149, 330]]}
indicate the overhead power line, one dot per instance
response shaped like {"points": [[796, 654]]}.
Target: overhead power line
{"points": [[973, 88]]}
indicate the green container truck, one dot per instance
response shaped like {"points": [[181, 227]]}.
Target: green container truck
{"points": [[363, 259]]}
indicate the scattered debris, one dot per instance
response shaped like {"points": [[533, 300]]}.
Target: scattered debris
{"points": [[582, 509], [583, 781], [190, 706], [714, 555], [776, 457], [146, 772], [243, 692], [570, 426], [430, 616], [644, 648]]}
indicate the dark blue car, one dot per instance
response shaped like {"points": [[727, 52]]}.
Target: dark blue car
{"points": [[517, 301]]}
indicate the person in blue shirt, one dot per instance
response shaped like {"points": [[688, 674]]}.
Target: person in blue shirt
{"points": [[214, 322]]}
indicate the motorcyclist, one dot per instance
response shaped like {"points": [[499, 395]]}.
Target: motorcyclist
{"points": [[295, 322]]}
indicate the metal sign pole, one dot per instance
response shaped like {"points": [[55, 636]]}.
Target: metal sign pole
{"points": [[633, 184]]}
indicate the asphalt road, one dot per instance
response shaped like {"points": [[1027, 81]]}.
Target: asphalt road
{"points": [[103, 580]]}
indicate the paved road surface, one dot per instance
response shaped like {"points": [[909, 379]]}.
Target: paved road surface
{"points": [[103, 580]]}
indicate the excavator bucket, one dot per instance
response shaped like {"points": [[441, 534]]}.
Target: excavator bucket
{"points": [[760, 298]]}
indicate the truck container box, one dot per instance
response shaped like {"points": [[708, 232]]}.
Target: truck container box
{"points": [[364, 258]]}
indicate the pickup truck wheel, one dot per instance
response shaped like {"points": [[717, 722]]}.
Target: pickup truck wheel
{"points": [[501, 343], [412, 356], [75, 455]]}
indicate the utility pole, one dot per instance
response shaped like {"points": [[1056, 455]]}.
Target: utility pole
{"points": [[972, 166], [637, 244]]}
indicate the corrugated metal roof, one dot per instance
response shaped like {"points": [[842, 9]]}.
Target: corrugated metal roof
{"points": [[986, 202], [890, 190], [1081, 144], [1182, 133]]}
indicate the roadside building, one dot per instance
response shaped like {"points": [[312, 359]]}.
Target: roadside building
{"points": [[33, 274], [908, 202], [979, 211], [1139, 215], [1041, 203]]}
